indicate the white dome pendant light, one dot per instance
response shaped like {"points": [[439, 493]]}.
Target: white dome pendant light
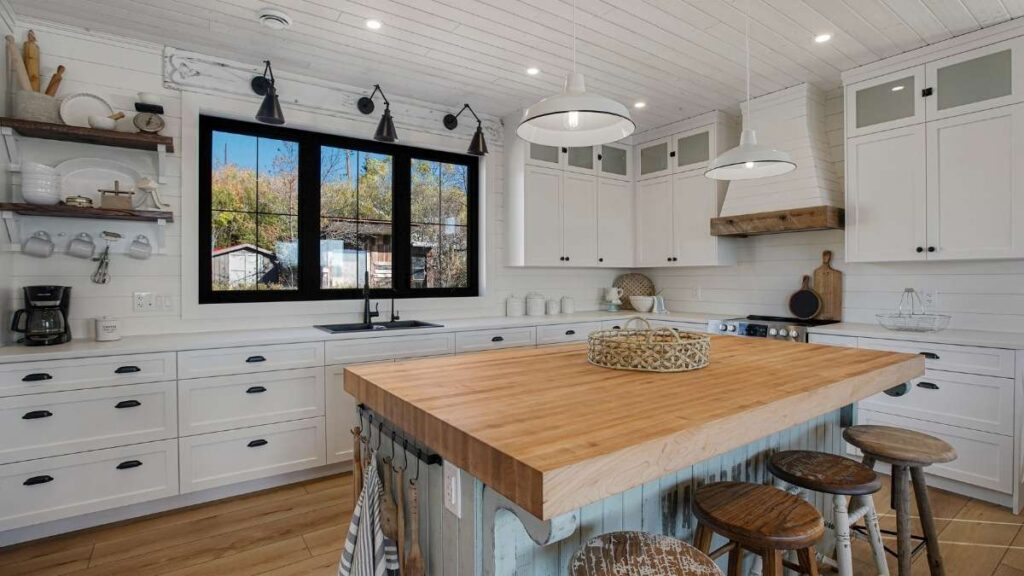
{"points": [[575, 118], [749, 160]]}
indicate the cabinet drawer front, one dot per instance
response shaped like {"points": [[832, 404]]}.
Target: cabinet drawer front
{"points": [[57, 375], [952, 358], [983, 459], [977, 402], [832, 340], [234, 456], [41, 425], [389, 348], [477, 340], [224, 361], [52, 488], [227, 402], [559, 333]]}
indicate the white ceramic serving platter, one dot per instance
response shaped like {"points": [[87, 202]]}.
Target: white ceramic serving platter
{"points": [[86, 176], [76, 109]]}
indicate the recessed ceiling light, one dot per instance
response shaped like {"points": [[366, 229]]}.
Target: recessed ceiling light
{"points": [[273, 19], [822, 38], [532, 71], [640, 104], [897, 88], [373, 24]]}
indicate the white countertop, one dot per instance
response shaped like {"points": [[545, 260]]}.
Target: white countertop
{"points": [[1010, 340], [226, 339]]}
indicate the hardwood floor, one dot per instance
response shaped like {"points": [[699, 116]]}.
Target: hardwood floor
{"points": [[299, 530]]}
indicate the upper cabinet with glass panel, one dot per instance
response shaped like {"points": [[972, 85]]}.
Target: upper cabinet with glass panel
{"points": [[615, 162], [886, 102], [541, 155], [693, 149], [976, 80], [653, 158], [580, 159]]}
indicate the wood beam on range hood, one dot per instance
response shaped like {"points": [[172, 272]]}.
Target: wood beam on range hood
{"points": [[795, 220]]}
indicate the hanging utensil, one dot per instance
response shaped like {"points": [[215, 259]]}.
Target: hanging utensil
{"points": [[400, 489], [101, 275], [388, 507], [357, 464], [414, 561]]}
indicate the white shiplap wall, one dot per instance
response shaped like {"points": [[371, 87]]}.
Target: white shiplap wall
{"points": [[117, 69], [983, 295], [6, 259]]}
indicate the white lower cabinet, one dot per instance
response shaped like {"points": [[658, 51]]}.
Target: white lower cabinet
{"points": [[388, 348], [220, 458], [983, 459], [341, 416], [53, 488], [41, 425], [562, 333], [226, 402], [249, 359], [951, 357], [79, 373], [478, 340]]}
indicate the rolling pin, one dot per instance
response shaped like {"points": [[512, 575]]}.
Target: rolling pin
{"points": [[51, 88], [17, 64], [31, 51]]}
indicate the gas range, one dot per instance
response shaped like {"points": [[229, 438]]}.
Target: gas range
{"points": [[773, 327]]}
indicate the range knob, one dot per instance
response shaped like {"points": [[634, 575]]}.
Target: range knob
{"points": [[723, 327], [772, 332], [732, 327], [783, 332], [793, 334]]}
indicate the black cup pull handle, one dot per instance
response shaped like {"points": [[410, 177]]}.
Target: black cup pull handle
{"points": [[128, 404], [256, 443], [570, 332], [127, 370], [897, 391], [37, 480], [616, 327], [498, 339], [37, 414], [929, 355], [928, 385], [129, 464], [37, 377], [255, 390], [255, 359]]}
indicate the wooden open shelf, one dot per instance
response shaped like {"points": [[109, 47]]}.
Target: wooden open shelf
{"points": [[62, 211], [795, 220], [48, 131]]}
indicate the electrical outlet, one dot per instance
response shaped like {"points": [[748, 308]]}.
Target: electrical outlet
{"points": [[452, 489], [143, 302], [930, 301]]}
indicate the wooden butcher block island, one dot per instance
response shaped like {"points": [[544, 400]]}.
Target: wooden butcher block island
{"points": [[552, 433]]}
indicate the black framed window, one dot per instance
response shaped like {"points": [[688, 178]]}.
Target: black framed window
{"points": [[291, 215]]}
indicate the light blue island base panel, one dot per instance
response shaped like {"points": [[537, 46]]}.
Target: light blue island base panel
{"points": [[496, 537]]}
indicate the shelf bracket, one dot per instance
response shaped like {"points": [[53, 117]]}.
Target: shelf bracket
{"points": [[161, 163], [161, 236], [11, 146], [13, 233]]}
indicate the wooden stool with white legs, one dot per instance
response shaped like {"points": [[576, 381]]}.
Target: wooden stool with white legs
{"points": [[842, 478], [908, 453], [619, 553]]}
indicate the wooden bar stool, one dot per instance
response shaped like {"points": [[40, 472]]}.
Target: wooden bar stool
{"points": [[762, 519], [842, 478], [618, 553], [908, 453]]}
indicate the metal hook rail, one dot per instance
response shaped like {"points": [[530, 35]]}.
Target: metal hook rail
{"points": [[385, 428]]}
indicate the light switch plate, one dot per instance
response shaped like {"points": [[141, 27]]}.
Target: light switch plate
{"points": [[453, 489]]}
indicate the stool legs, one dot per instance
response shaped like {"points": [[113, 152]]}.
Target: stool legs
{"points": [[844, 554], [901, 502], [773, 563], [874, 535], [924, 509]]}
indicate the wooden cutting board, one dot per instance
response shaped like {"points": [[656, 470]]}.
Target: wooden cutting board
{"points": [[828, 283]]}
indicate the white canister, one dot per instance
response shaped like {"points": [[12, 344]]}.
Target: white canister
{"points": [[515, 306], [534, 304], [107, 329], [553, 307], [568, 305]]}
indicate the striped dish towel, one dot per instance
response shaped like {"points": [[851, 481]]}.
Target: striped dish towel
{"points": [[367, 552]]}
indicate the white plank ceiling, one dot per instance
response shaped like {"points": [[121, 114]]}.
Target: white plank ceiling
{"points": [[682, 57]]}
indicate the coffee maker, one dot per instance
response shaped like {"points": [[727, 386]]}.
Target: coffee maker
{"points": [[44, 320]]}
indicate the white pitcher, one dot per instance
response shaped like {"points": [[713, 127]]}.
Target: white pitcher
{"points": [[612, 295]]}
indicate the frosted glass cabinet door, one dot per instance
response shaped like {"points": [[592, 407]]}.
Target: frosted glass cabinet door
{"points": [[976, 185], [886, 102], [976, 80], [694, 149], [580, 159], [886, 198], [541, 155], [653, 158], [615, 162]]}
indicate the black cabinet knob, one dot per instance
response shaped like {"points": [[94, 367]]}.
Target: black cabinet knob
{"points": [[600, 259], [598, 157], [564, 150], [931, 248], [37, 414], [128, 404], [669, 259], [672, 154], [566, 258], [920, 249]]}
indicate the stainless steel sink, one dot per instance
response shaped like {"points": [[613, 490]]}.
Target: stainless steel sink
{"points": [[361, 327]]}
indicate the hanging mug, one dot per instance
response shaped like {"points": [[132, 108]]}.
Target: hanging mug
{"points": [[140, 248], [82, 246], [38, 245]]}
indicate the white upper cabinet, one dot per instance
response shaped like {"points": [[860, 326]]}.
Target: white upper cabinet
{"points": [[653, 158], [541, 155], [615, 162], [543, 217], [692, 150], [886, 102], [615, 223], [581, 159], [654, 240], [976, 80], [976, 185], [674, 222], [579, 220], [886, 196]]}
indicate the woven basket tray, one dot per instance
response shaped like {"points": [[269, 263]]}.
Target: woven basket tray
{"points": [[661, 350]]}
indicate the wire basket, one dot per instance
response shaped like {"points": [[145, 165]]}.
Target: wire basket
{"points": [[910, 316], [661, 350]]}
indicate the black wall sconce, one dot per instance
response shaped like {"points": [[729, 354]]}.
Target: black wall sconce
{"points": [[386, 127], [477, 146], [270, 109]]}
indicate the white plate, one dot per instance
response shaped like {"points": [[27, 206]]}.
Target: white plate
{"points": [[76, 109], [86, 176]]}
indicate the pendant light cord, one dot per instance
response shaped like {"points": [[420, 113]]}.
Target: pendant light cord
{"points": [[746, 19], [573, 36]]}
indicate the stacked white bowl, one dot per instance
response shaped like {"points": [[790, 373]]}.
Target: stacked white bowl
{"points": [[40, 184]]}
